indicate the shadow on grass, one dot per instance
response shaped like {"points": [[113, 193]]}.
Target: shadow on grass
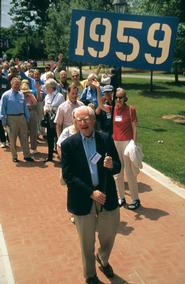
{"points": [[150, 213], [162, 94], [153, 129], [160, 90], [179, 84]]}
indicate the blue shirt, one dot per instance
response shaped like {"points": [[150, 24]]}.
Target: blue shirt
{"points": [[13, 103], [89, 145], [89, 95]]}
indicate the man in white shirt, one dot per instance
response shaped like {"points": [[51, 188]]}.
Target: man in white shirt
{"points": [[64, 113]]}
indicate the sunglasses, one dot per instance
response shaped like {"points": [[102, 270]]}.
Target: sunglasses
{"points": [[75, 76], [120, 98]]}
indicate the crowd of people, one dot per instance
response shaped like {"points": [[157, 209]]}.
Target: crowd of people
{"points": [[95, 134]]}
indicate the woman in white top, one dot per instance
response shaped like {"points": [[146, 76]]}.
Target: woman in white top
{"points": [[67, 132], [51, 103]]}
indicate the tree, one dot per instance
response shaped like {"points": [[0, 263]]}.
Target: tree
{"points": [[29, 12], [29, 18], [6, 40], [163, 8], [57, 29]]}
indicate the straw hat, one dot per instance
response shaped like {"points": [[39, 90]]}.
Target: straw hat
{"points": [[25, 88], [25, 81]]}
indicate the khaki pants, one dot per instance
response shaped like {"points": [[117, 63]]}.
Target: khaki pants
{"points": [[17, 127], [32, 125], [106, 224], [40, 115], [125, 166]]}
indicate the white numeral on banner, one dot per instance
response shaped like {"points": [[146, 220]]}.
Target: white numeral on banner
{"points": [[105, 39], [122, 25], [164, 44], [80, 40]]}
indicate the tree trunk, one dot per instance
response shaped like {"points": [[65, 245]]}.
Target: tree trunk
{"points": [[176, 76], [151, 80], [80, 67]]}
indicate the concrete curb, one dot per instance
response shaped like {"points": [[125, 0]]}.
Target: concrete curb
{"points": [[162, 179], [6, 275]]}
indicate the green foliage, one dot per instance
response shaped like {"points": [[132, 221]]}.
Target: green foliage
{"points": [[105, 5], [158, 7], [29, 19], [180, 43], [57, 29], [29, 12]]}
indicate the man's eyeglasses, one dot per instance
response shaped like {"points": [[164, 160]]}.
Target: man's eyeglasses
{"points": [[84, 119]]}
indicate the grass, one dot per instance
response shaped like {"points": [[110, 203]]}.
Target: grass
{"points": [[167, 98]]}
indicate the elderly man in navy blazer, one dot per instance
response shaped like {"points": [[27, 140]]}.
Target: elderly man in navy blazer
{"points": [[89, 161]]}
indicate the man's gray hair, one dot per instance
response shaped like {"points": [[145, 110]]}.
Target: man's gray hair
{"points": [[51, 83], [85, 108]]}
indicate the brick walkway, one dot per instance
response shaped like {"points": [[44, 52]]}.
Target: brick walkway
{"points": [[43, 245]]}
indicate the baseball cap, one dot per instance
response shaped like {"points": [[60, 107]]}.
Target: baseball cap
{"points": [[108, 88]]}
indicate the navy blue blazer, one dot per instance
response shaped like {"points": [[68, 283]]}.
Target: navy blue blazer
{"points": [[77, 175]]}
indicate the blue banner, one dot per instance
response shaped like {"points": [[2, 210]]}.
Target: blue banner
{"points": [[113, 39]]}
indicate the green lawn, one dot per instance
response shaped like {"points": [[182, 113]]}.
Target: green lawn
{"points": [[167, 98]]}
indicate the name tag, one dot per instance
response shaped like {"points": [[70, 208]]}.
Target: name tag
{"points": [[118, 118], [95, 158], [108, 115]]}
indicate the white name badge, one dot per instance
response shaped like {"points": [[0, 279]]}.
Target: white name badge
{"points": [[118, 118], [108, 115], [95, 158]]}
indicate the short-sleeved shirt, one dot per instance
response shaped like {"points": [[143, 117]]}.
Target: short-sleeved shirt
{"points": [[122, 123], [89, 95], [53, 101], [64, 113]]}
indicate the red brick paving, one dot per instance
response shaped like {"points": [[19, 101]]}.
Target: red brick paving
{"points": [[43, 245]]}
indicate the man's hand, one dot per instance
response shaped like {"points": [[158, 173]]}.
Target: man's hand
{"points": [[60, 57], [95, 84], [91, 105], [98, 196], [107, 163]]}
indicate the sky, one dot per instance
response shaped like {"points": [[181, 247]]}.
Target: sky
{"points": [[5, 18]]}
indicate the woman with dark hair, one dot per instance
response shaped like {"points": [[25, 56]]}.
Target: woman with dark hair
{"points": [[51, 103]]}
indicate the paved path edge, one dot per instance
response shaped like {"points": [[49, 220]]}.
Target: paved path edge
{"points": [[163, 180], [6, 275]]}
